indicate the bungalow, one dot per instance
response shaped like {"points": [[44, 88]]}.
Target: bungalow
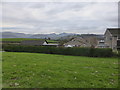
{"points": [[34, 42], [37, 43], [112, 37], [77, 42], [92, 40], [53, 44]]}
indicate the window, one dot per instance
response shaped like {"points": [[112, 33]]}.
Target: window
{"points": [[110, 38]]}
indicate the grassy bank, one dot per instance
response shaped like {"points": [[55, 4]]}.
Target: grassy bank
{"points": [[31, 70]]}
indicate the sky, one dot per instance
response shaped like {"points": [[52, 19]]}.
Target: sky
{"points": [[59, 17]]}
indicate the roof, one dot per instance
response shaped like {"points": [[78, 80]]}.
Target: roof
{"points": [[114, 31], [77, 41], [33, 42], [73, 43]]}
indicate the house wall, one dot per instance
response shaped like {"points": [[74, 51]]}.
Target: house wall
{"points": [[69, 45], [92, 41], [45, 43], [114, 42], [101, 44], [108, 39]]}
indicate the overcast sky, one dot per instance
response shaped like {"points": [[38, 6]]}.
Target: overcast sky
{"points": [[58, 17]]}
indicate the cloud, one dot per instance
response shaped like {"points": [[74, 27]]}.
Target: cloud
{"points": [[58, 17]]}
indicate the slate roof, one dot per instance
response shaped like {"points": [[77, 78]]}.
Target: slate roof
{"points": [[77, 41], [114, 31], [33, 42]]}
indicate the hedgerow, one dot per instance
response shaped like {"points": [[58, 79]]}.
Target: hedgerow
{"points": [[75, 51]]}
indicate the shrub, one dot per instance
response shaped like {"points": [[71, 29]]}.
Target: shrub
{"points": [[75, 51]]}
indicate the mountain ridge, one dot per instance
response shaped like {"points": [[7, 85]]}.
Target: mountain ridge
{"points": [[41, 36]]}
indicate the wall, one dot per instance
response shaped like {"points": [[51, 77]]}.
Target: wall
{"points": [[108, 39]]}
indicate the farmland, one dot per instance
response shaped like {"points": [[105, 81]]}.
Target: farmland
{"points": [[22, 39], [33, 70]]}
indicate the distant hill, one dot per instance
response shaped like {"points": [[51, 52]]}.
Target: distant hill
{"points": [[14, 35], [55, 36], [41, 36]]}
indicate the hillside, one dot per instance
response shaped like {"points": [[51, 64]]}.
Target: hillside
{"points": [[41, 36]]}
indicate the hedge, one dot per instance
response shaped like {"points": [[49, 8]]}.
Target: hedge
{"points": [[75, 51]]}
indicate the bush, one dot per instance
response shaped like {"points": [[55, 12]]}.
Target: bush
{"points": [[75, 51]]}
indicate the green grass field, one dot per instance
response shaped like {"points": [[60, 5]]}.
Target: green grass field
{"points": [[18, 39], [0, 70], [34, 70], [21, 39]]}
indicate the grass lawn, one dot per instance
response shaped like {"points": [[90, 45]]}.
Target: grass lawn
{"points": [[34, 70], [0, 70]]}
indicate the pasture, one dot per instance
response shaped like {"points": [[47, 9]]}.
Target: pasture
{"points": [[21, 39], [34, 70]]}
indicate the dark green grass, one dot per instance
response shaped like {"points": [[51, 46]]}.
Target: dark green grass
{"points": [[21, 39], [18, 39], [31, 70]]}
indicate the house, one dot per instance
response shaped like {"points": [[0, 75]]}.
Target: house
{"points": [[34, 42], [92, 40], [54, 45], [96, 41], [101, 43], [77, 42], [112, 37], [37, 43]]}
